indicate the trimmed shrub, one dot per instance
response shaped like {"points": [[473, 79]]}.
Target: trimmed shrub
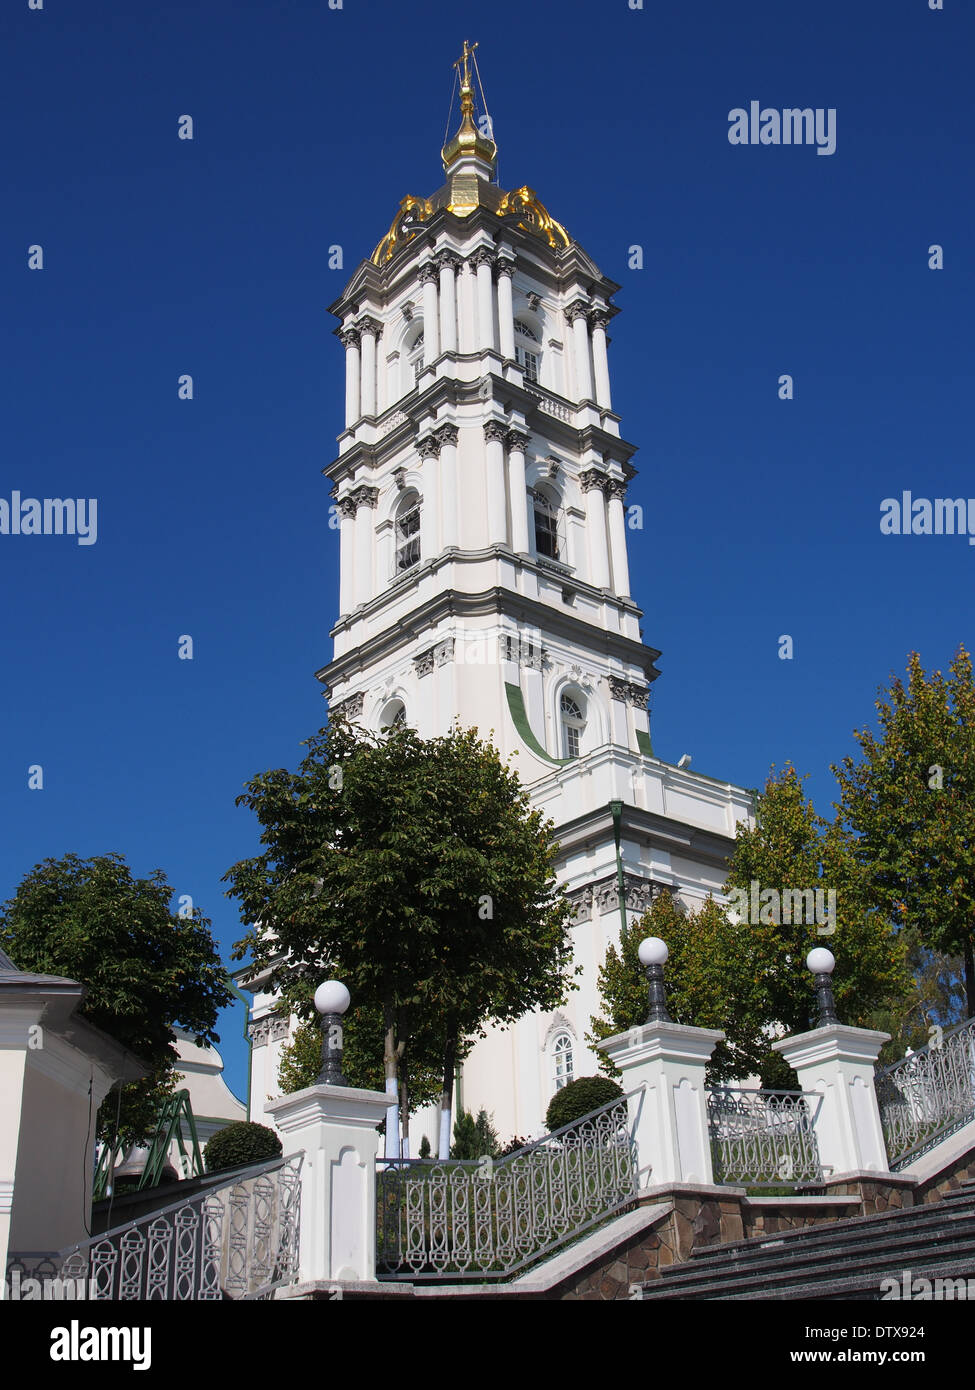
{"points": [[240, 1144], [578, 1098]]}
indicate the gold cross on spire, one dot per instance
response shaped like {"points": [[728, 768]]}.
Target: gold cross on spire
{"points": [[465, 58]]}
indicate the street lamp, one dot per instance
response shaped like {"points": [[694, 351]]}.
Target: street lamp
{"points": [[331, 1000], [653, 954], [821, 963]]}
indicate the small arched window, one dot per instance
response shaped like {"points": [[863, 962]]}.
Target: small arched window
{"points": [[393, 716], [415, 357], [546, 512], [528, 349], [573, 719], [408, 532], [562, 1060]]}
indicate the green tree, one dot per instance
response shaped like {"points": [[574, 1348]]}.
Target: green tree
{"points": [[475, 1138], [144, 967], [793, 851], [714, 979], [421, 867], [362, 1058], [907, 806]]}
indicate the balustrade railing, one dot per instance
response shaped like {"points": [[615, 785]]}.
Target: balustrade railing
{"points": [[488, 1218], [234, 1241], [763, 1138], [928, 1095]]}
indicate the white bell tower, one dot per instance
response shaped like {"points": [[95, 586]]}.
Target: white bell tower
{"points": [[481, 486]]}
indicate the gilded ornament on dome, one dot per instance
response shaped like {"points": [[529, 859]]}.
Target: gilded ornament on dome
{"points": [[525, 204], [411, 212]]}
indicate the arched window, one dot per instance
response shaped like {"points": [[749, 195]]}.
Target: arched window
{"points": [[408, 532], [573, 720], [527, 349], [393, 716], [562, 1060], [415, 357], [546, 512]]}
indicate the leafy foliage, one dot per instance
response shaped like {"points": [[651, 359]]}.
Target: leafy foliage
{"points": [[417, 871], [144, 967], [907, 808], [362, 1058], [474, 1138], [240, 1144], [577, 1098]]}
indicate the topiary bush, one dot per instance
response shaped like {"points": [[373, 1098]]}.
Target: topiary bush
{"points": [[240, 1144], [578, 1098]]}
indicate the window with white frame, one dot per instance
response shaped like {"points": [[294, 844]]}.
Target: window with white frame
{"points": [[562, 1060], [546, 512], [573, 720], [393, 716], [408, 533], [414, 358], [528, 351]]}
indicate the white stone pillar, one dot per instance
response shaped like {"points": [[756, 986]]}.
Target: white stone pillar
{"points": [[592, 485], [482, 261], [668, 1118], [429, 279], [518, 491], [365, 500], [600, 360], [349, 338], [836, 1063], [429, 451], [577, 314], [506, 310], [446, 436], [347, 510], [495, 433], [616, 493], [466, 335], [368, 330], [447, 264], [336, 1128]]}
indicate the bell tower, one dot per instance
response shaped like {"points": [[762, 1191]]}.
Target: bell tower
{"points": [[481, 484]]}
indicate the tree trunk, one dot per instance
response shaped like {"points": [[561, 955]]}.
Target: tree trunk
{"points": [[446, 1096], [969, 978], [390, 1063], [404, 1107]]}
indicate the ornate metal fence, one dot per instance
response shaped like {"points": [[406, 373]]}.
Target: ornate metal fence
{"points": [[235, 1241], [927, 1096], [763, 1138], [486, 1219]]}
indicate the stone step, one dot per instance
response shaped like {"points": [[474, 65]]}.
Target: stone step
{"points": [[772, 1266], [899, 1219]]}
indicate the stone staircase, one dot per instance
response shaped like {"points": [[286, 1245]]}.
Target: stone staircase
{"points": [[842, 1260]]}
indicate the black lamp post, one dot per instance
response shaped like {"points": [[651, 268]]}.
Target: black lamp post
{"points": [[331, 1001], [821, 963], [653, 955]]}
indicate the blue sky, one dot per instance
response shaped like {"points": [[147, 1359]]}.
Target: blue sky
{"points": [[164, 256]]}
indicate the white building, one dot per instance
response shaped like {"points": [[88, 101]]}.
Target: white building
{"points": [[481, 484]]}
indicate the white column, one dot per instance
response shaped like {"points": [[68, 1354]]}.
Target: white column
{"points": [[446, 436], [600, 360], [429, 279], [482, 261], [518, 491], [495, 432], [668, 1117], [592, 485], [429, 451], [336, 1128], [616, 492], [368, 328], [465, 308], [836, 1062], [447, 265], [349, 338], [506, 311], [365, 500], [577, 314], [347, 509]]}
